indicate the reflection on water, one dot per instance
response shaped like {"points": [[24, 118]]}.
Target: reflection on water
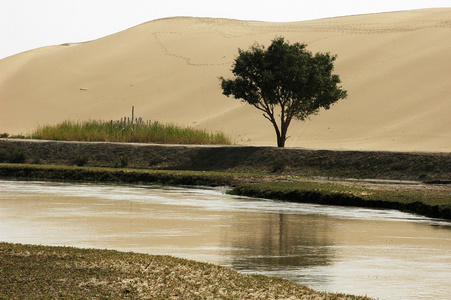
{"points": [[380, 253]]}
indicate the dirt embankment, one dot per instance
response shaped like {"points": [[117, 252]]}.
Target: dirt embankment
{"points": [[427, 167]]}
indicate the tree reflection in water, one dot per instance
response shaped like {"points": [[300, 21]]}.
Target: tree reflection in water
{"points": [[272, 242]]}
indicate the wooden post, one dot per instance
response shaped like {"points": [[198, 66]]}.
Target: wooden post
{"points": [[133, 114]]}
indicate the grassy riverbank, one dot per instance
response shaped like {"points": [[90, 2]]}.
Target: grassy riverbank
{"points": [[119, 175], [425, 167], [44, 272], [427, 200], [424, 202]]}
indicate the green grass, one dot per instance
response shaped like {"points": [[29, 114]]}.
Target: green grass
{"points": [[44, 272], [121, 175], [352, 191], [107, 131], [437, 204]]}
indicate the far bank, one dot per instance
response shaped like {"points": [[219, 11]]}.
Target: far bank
{"points": [[237, 166], [427, 200], [417, 166]]}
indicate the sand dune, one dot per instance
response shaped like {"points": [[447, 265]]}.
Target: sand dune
{"points": [[395, 66]]}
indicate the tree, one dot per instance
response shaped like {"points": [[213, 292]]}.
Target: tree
{"points": [[285, 82]]}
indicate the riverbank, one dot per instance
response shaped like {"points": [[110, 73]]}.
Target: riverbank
{"points": [[65, 272], [419, 166], [428, 175], [427, 200], [434, 202]]}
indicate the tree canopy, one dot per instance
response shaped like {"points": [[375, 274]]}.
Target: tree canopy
{"points": [[284, 82]]}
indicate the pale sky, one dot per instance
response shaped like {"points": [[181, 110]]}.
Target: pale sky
{"points": [[29, 24]]}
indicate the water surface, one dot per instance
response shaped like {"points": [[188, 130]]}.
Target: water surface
{"points": [[379, 253]]}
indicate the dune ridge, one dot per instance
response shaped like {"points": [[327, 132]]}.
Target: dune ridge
{"points": [[396, 67]]}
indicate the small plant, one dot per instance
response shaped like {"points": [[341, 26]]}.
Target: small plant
{"points": [[154, 161], [82, 160], [18, 136], [4, 135], [278, 165], [122, 162], [13, 155], [37, 161], [18, 157], [3, 156]]}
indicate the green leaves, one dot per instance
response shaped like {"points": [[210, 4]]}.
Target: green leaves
{"points": [[287, 77]]}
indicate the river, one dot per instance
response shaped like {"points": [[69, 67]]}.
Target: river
{"points": [[384, 254]]}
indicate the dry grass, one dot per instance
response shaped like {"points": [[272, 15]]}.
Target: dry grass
{"points": [[116, 131], [61, 272]]}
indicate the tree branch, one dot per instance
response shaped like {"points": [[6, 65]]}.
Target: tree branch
{"points": [[268, 118]]}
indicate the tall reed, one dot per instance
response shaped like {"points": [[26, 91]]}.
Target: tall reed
{"points": [[123, 131]]}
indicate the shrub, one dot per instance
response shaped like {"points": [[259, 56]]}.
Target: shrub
{"points": [[13, 155], [18, 157], [18, 136], [278, 165], [82, 160], [122, 162], [3, 156]]}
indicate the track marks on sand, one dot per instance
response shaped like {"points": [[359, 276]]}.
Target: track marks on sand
{"points": [[188, 60]]}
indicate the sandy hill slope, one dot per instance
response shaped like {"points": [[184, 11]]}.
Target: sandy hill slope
{"points": [[395, 66]]}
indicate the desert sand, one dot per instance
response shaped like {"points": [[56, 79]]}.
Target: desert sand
{"points": [[395, 66]]}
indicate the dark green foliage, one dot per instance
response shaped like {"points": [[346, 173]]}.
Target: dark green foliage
{"points": [[12, 154], [284, 81], [81, 160], [3, 156], [4, 135], [18, 136], [278, 165], [18, 157], [122, 162]]}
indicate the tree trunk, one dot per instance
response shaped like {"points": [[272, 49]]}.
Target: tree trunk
{"points": [[281, 137], [282, 134], [281, 141]]}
